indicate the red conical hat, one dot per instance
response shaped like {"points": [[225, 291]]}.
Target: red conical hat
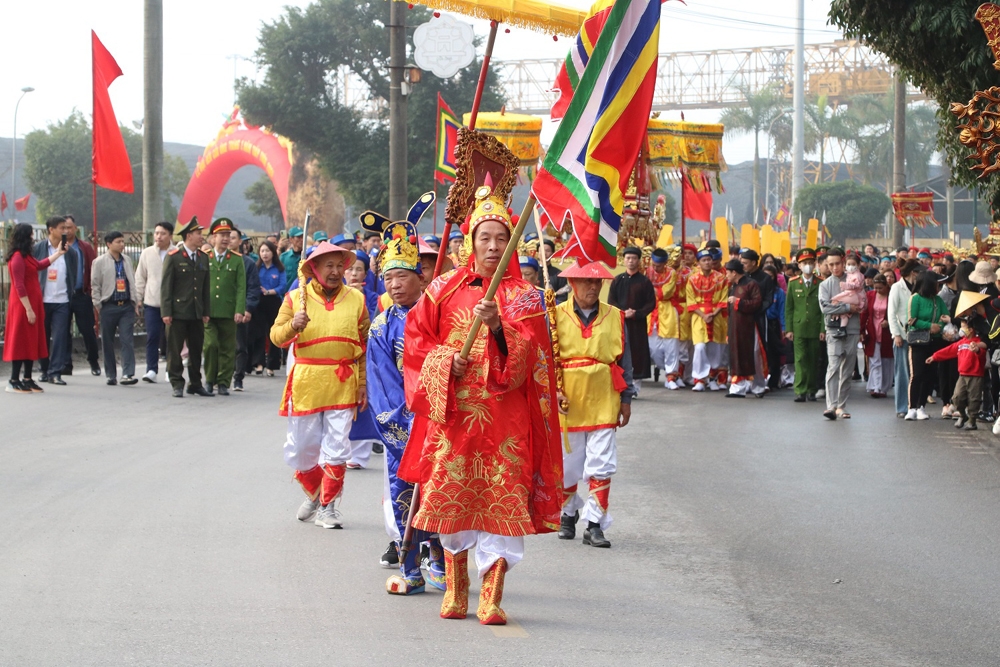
{"points": [[585, 271]]}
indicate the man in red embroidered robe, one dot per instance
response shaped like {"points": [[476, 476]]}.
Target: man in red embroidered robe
{"points": [[484, 446]]}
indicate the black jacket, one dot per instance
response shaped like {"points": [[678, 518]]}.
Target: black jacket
{"points": [[41, 251]]}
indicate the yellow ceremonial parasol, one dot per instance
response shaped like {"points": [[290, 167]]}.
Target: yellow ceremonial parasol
{"points": [[518, 132], [532, 14]]}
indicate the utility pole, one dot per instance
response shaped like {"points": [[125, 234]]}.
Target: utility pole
{"points": [[899, 148], [949, 196], [397, 110], [152, 120], [799, 104]]}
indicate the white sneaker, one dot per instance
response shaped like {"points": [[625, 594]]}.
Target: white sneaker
{"points": [[946, 412], [821, 393], [700, 386], [996, 427], [713, 386], [922, 415], [329, 517], [680, 383], [150, 376], [307, 510], [670, 384], [911, 414]]}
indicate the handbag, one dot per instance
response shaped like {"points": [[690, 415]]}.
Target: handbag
{"points": [[918, 336]]}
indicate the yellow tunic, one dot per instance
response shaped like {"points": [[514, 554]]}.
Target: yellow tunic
{"points": [[589, 356], [706, 294], [667, 320], [329, 370]]}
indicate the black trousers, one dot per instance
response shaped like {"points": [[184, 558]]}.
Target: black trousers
{"points": [[179, 331], [260, 331], [242, 333], [773, 350], [921, 373], [82, 308]]}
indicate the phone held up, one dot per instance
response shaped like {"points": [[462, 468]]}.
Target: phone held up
{"points": [[64, 241]]}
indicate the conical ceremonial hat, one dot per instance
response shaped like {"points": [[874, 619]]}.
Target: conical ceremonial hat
{"points": [[966, 300]]}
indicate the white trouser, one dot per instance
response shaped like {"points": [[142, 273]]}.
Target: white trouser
{"points": [[319, 439], [879, 374], [391, 529], [592, 454], [671, 357], [684, 355], [706, 357], [488, 548], [657, 350], [759, 383], [361, 452]]}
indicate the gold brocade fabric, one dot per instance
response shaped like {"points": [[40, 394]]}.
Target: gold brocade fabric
{"points": [[484, 446], [678, 144]]}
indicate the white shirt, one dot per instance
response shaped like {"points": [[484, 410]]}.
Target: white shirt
{"points": [[54, 290]]}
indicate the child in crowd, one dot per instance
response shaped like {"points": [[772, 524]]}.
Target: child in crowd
{"points": [[854, 289], [971, 354]]}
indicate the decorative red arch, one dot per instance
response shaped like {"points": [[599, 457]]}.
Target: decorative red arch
{"points": [[237, 145]]}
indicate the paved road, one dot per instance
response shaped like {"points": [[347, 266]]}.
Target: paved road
{"points": [[140, 529]]}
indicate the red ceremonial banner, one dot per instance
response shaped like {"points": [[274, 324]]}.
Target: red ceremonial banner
{"points": [[914, 209], [22, 203], [697, 202], [111, 166]]}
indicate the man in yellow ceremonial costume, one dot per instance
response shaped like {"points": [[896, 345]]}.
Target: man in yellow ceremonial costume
{"points": [[484, 445], [597, 372], [326, 384], [706, 297]]}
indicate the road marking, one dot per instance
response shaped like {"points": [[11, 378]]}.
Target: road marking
{"points": [[512, 629]]}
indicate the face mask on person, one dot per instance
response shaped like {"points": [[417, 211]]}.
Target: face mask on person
{"points": [[807, 269], [851, 268], [963, 333]]}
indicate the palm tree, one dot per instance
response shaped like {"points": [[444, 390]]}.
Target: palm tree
{"points": [[824, 123], [754, 116]]}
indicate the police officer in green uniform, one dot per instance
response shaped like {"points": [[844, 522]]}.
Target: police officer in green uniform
{"points": [[290, 258], [804, 325], [184, 308], [227, 296]]}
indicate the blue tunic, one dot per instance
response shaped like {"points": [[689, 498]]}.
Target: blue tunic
{"points": [[387, 403]]}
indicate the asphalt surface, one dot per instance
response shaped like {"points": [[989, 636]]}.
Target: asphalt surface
{"points": [[141, 529]]}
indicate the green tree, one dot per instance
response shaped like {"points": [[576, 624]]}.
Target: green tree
{"points": [[941, 49], [753, 117], [264, 200], [305, 53], [58, 172], [852, 210]]}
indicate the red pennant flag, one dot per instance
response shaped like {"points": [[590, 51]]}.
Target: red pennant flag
{"points": [[697, 205], [3, 202], [22, 203], [112, 169]]}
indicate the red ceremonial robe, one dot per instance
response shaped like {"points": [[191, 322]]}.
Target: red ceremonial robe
{"points": [[485, 446]]}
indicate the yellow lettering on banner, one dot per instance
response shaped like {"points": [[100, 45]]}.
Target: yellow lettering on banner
{"points": [[722, 234]]}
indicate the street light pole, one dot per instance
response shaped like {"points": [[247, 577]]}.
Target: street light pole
{"points": [[13, 150]]}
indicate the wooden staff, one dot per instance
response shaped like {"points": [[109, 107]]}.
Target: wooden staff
{"points": [[550, 310]]}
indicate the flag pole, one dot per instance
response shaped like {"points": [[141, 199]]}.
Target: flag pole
{"points": [[480, 86], [94, 200]]}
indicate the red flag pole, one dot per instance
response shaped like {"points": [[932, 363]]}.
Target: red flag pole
{"points": [[483, 71], [683, 217]]}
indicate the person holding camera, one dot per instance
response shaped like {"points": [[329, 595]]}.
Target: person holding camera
{"points": [[57, 287]]}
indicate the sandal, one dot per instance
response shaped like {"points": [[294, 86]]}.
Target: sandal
{"points": [[843, 415], [830, 414], [270, 373]]}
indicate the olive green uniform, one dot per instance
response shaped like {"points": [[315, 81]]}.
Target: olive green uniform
{"points": [[227, 296], [804, 320], [184, 297]]}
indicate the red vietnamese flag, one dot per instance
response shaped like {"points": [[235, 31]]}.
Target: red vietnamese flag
{"points": [[22, 203], [111, 166], [3, 202]]}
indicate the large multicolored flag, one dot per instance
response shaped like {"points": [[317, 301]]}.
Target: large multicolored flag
{"points": [[587, 168], [576, 60], [781, 217], [447, 138]]}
